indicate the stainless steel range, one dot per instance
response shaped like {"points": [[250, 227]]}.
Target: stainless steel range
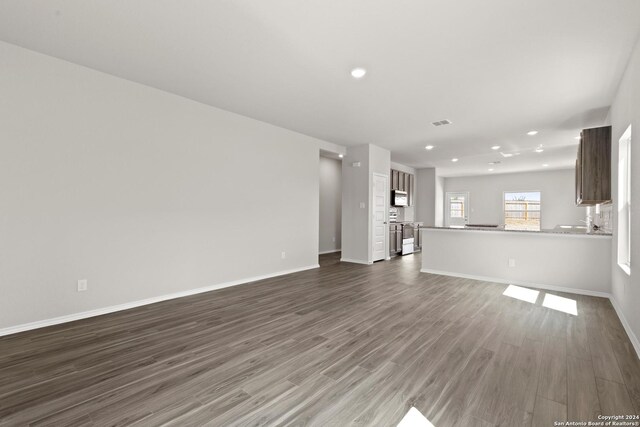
{"points": [[407, 239]]}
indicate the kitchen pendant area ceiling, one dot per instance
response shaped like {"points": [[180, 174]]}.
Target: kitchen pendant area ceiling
{"points": [[495, 69]]}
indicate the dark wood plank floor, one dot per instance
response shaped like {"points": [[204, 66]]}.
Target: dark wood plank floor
{"points": [[341, 345]]}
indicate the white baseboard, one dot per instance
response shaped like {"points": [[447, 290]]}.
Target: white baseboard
{"points": [[520, 283], [329, 252], [106, 310], [627, 327], [355, 261], [632, 337]]}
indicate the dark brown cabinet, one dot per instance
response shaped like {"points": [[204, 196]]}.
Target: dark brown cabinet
{"points": [[395, 238], [593, 167], [402, 181]]}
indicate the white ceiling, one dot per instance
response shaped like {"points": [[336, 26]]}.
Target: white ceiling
{"points": [[495, 68]]}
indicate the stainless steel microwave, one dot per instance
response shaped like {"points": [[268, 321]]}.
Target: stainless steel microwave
{"points": [[399, 198]]}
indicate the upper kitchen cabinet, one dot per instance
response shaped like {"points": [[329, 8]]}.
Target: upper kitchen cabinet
{"points": [[593, 167], [402, 181]]}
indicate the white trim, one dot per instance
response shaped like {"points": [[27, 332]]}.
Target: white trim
{"points": [[386, 215], [355, 261], [329, 252], [521, 283], [632, 337], [626, 268], [126, 306]]}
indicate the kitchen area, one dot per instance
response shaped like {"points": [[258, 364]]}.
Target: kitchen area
{"points": [[404, 232], [572, 257]]}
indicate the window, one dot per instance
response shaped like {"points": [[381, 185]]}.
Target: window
{"points": [[624, 201], [522, 210], [457, 207]]}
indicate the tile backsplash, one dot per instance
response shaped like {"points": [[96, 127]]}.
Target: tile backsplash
{"points": [[604, 219]]}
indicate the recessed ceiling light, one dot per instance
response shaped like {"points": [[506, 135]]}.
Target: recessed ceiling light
{"points": [[341, 155], [495, 147], [532, 132], [544, 165], [358, 73], [539, 150], [490, 169], [506, 154], [454, 159], [429, 147]]}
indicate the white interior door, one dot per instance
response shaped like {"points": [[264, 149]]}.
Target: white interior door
{"points": [[457, 209], [380, 207]]}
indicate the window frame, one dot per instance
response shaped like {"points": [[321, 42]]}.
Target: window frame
{"points": [[504, 207], [623, 203], [461, 210]]}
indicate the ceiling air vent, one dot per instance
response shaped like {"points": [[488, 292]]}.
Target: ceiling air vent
{"points": [[442, 123]]}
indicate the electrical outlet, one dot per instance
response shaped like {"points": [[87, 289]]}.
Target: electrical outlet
{"points": [[512, 262], [362, 205], [284, 255], [334, 239], [82, 285]]}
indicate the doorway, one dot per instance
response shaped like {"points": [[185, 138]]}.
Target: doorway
{"points": [[330, 204], [456, 209]]}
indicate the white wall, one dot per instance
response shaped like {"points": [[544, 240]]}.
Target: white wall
{"points": [[625, 111], [426, 196], [357, 199], [486, 193], [355, 191], [379, 159], [539, 260], [139, 191], [439, 203], [330, 205]]}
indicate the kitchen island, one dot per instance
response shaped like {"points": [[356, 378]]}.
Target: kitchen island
{"points": [[569, 260]]}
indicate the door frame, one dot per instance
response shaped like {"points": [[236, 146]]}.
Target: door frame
{"points": [[447, 208], [386, 216]]}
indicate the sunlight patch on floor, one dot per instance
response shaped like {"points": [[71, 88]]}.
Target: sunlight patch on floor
{"points": [[565, 305], [523, 294], [414, 418]]}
